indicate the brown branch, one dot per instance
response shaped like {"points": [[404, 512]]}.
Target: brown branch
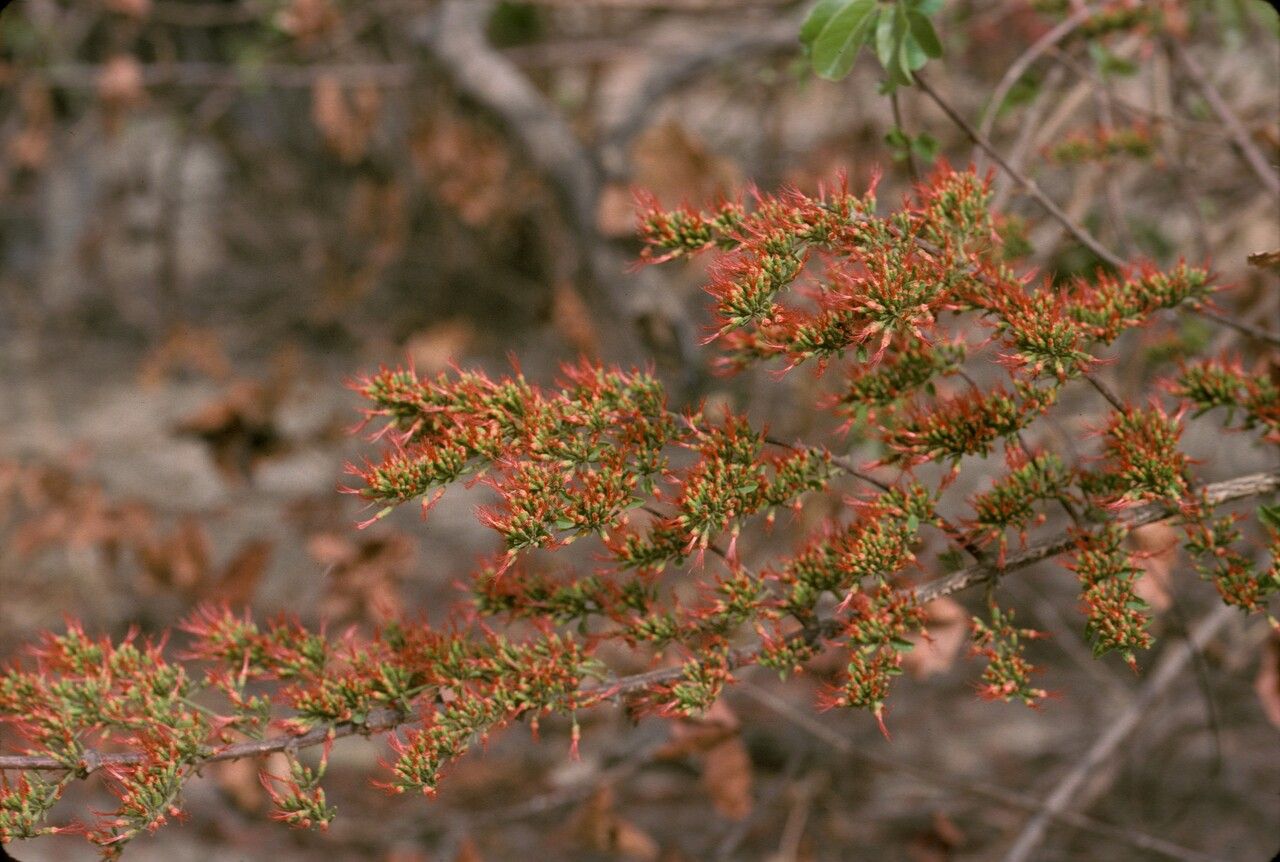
{"points": [[1219, 493], [842, 745], [1014, 73], [1239, 135], [1162, 676], [1083, 236]]}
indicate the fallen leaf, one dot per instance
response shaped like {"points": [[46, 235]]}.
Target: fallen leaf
{"points": [[597, 826], [240, 577], [239, 427], [187, 348], [468, 852], [572, 320], [1269, 259], [728, 777], [364, 575]]}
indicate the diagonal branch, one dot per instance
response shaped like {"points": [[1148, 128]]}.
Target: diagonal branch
{"points": [[1083, 236], [1166, 671], [842, 745], [1239, 135]]}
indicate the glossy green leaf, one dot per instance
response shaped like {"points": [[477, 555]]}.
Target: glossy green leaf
{"points": [[817, 19], [924, 34], [837, 46]]}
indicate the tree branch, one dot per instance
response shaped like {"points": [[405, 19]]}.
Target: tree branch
{"points": [[842, 745], [1083, 236], [1166, 671], [1219, 493]]}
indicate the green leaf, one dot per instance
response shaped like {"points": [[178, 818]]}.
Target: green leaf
{"points": [[837, 46], [886, 38], [817, 19], [925, 35], [925, 7], [925, 146], [1269, 516]]}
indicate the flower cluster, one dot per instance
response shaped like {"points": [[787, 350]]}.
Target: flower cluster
{"points": [[1223, 383], [1107, 573], [1007, 675], [1010, 503]]}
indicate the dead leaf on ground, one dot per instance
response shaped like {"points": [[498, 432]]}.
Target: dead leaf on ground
{"points": [[346, 118], [186, 349], [715, 740], [239, 579], [673, 164], [938, 843], [598, 826], [572, 319], [1156, 552], [239, 427], [1267, 682], [728, 777], [308, 20], [138, 9], [947, 624], [120, 88], [364, 575]]}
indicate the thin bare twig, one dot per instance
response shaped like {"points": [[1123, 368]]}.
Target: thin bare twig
{"points": [[981, 789], [1166, 671], [1083, 236], [1239, 135], [1019, 67]]}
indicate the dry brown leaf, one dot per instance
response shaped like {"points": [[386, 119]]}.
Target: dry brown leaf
{"points": [[180, 559], [1156, 552], [728, 777], [28, 147], [364, 575], [238, 780], [431, 350], [1267, 682], [677, 167], [240, 577], [120, 87], [938, 843], [597, 826], [187, 348], [470, 168], [468, 851], [690, 735], [345, 120], [240, 427], [572, 320], [947, 624]]}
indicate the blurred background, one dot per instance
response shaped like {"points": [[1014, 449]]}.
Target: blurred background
{"points": [[215, 213]]}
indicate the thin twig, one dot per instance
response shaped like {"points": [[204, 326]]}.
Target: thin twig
{"points": [[1219, 493], [1083, 236], [1166, 671], [1014, 73], [1239, 135], [991, 792]]}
